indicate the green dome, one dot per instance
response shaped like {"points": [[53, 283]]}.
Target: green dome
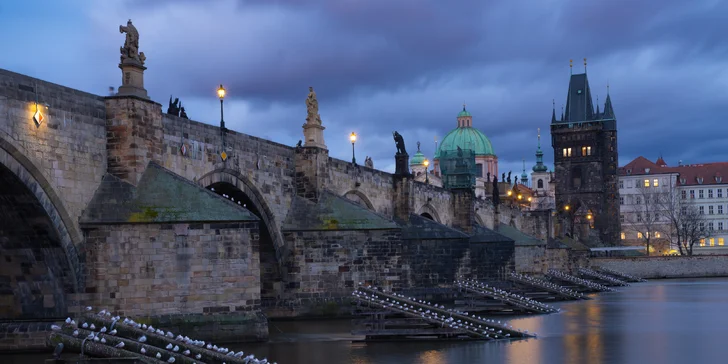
{"points": [[418, 159], [466, 138], [464, 113]]}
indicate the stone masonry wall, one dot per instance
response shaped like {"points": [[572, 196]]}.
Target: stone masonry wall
{"points": [[668, 266], [376, 185], [68, 148], [178, 275]]}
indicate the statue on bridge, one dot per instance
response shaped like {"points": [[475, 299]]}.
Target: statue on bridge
{"points": [[182, 112], [130, 50], [487, 176], [174, 107], [399, 142], [368, 162], [496, 193], [509, 177], [312, 108]]}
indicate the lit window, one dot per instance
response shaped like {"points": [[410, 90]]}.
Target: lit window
{"points": [[639, 235], [721, 241], [647, 183], [710, 210], [623, 237], [702, 242], [700, 194], [567, 152], [712, 241], [684, 194], [655, 183], [710, 193], [657, 234], [621, 200]]}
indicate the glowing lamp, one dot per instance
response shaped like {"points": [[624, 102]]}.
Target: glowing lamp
{"points": [[588, 216], [352, 137], [426, 162], [566, 207], [221, 92], [510, 193], [38, 116], [529, 198], [520, 197]]}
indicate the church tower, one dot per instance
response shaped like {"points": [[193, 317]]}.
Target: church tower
{"points": [[585, 161]]}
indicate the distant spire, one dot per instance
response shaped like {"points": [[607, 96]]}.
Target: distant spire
{"points": [[538, 130], [608, 110], [539, 167], [553, 112], [571, 66], [597, 105], [584, 65], [562, 112]]}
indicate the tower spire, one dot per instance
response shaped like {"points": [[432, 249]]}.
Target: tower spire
{"points": [[553, 112], [597, 106], [584, 65], [539, 167], [571, 66]]}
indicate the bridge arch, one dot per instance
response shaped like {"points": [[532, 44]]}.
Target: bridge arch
{"points": [[360, 198], [38, 240], [428, 211]]}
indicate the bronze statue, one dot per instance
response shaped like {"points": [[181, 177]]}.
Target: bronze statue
{"points": [[182, 112], [487, 177], [130, 50], [173, 108], [399, 142], [509, 177], [368, 162], [312, 107], [503, 177], [516, 180], [299, 144], [496, 194]]}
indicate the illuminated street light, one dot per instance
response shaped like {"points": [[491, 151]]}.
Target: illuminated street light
{"points": [[427, 164], [221, 95], [352, 137]]}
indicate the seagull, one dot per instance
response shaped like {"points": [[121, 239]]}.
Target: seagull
{"points": [[88, 308], [92, 327], [143, 351], [186, 352], [169, 346], [75, 333], [103, 341], [68, 320], [158, 356], [142, 339], [170, 360], [85, 325], [112, 332], [103, 329], [175, 349], [119, 345], [55, 328], [198, 356], [96, 338]]}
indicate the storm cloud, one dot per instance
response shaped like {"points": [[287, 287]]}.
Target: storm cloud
{"points": [[406, 65]]}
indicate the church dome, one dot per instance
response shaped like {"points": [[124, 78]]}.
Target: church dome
{"points": [[466, 137], [418, 159]]}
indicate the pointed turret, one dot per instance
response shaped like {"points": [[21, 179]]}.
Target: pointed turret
{"points": [[524, 176], [579, 105], [553, 111], [539, 167], [597, 114], [608, 111]]}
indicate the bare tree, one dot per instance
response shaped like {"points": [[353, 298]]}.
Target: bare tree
{"points": [[686, 223], [646, 218]]}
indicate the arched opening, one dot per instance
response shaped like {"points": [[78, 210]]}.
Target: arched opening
{"points": [[427, 215], [270, 275], [359, 198], [35, 272], [429, 212], [540, 183]]}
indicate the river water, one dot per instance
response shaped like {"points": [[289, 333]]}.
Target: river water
{"points": [[670, 321]]}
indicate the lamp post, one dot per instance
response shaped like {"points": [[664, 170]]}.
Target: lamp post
{"points": [[352, 137], [221, 95], [427, 165]]}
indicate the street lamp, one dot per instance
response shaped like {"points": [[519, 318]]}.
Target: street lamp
{"points": [[427, 164], [221, 95], [352, 137]]}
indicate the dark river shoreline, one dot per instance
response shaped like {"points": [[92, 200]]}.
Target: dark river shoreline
{"points": [[667, 321]]}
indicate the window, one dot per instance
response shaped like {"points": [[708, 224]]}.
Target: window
{"points": [[702, 210], [639, 217], [540, 183], [720, 193], [657, 234], [721, 241], [639, 235], [622, 236], [720, 225], [479, 170], [710, 193], [710, 226], [621, 184], [702, 242], [692, 194], [684, 194], [700, 194], [684, 210], [567, 152], [647, 183], [586, 151], [655, 183], [712, 241], [636, 184], [710, 210], [621, 200], [576, 177], [720, 209], [657, 216], [637, 200], [621, 219], [702, 226]]}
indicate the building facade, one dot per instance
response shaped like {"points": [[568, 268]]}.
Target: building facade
{"points": [[700, 185], [585, 161], [542, 183]]}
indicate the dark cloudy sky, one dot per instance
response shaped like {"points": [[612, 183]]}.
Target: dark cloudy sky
{"points": [[406, 65]]}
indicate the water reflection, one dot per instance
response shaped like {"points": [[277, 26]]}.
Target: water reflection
{"points": [[677, 321]]}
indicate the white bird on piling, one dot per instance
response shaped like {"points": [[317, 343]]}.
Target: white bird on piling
{"points": [[170, 360], [239, 354], [144, 326], [92, 327], [103, 330], [158, 356], [89, 308], [75, 333], [85, 325], [142, 339], [175, 348], [68, 320], [143, 351], [103, 341], [168, 347], [96, 338], [119, 345], [198, 356], [112, 332], [90, 336], [55, 328], [186, 352], [102, 312]]}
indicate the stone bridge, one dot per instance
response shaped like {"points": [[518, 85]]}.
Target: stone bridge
{"points": [[108, 201]]}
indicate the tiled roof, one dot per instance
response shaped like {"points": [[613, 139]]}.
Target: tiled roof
{"points": [[333, 212], [691, 174]]}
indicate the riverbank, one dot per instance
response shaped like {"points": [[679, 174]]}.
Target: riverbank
{"points": [[668, 267]]}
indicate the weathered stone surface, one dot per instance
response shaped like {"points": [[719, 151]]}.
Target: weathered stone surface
{"points": [[668, 267]]}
